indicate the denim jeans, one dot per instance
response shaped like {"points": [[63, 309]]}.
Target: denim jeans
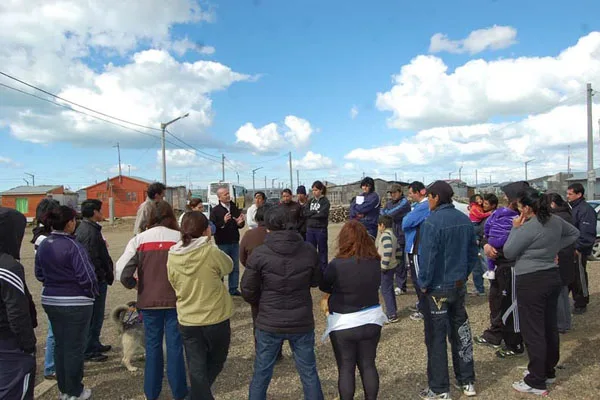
{"points": [[318, 238], [387, 292], [159, 324], [49, 356], [70, 326], [445, 311], [97, 321], [267, 348], [478, 270], [233, 251]]}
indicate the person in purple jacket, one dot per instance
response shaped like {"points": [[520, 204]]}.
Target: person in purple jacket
{"points": [[63, 266], [496, 232], [365, 208]]}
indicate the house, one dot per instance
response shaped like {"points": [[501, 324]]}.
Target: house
{"points": [[128, 193], [25, 199], [581, 177], [460, 188], [555, 183]]}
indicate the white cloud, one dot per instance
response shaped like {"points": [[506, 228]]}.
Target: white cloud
{"points": [[179, 158], [268, 138], [493, 38], [9, 162], [426, 95], [5, 160], [350, 166], [125, 168], [54, 46], [498, 148], [313, 161], [353, 112]]}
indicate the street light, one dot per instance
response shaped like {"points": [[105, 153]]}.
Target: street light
{"points": [[527, 163], [254, 173], [163, 127]]}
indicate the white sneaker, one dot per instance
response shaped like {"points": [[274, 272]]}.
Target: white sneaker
{"points": [[549, 381], [468, 389], [522, 387], [427, 394], [399, 292], [85, 395], [416, 316], [490, 275]]}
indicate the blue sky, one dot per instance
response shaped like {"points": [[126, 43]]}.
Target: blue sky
{"points": [[313, 61]]}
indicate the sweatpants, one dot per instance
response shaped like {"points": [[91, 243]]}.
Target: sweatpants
{"points": [[17, 372], [357, 347], [563, 310], [581, 294], [413, 263], [537, 295], [206, 349]]}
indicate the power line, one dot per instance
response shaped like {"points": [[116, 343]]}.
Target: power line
{"points": [[76, 104]]}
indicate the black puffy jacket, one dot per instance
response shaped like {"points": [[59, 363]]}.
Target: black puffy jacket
{"points": [[89, 234], [567, 262], [278, 278], [584, 219]]}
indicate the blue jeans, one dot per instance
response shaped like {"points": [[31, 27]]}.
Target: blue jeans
{"points": [[233, 251], [267, 348], [49, 357], [318, 238], [478, 272], [158, 324], [387, 292], [93, 342]]}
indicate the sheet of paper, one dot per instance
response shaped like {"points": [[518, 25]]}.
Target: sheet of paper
{"points": [[360, 200]]}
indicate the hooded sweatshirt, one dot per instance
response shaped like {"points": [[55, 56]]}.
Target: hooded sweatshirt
{"points": [[317, 213], [196, 272], [17, 312]]}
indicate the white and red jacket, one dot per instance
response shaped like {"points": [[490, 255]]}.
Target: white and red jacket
{"points": [[146, 256]]}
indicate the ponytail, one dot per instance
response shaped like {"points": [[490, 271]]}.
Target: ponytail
{"points": [[538, 202], [319, 185], [193, 225]]}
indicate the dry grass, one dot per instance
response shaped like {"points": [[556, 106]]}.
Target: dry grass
{"points": [[401, 355]]}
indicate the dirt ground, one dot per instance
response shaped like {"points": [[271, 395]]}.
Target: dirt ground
{"points": [[401, 358]]}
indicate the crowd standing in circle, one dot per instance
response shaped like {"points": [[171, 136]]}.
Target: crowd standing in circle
{"points": [[533, 252]]}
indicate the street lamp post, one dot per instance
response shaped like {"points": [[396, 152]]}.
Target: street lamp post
{"points": [[526, 164], [163, 127], [253, 174]]}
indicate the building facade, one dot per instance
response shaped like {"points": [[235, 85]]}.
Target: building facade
{"points": [[25, 199], [128, 193]]}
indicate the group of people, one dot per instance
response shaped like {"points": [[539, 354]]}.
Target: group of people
{"points": [[533, 253]]}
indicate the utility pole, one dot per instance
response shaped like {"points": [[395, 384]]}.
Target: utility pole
{"points": [[222, 167], [569, 162], [298, 177], [163, 127], [591, 173], [129, 168], [460, 173], [253, 174], [26, 181], [119, 154], [238, 176], [363, 174], [32, 179], [476, 183], [526, 164], [450, 176], [395, 176], [291, 173], [273, 183]]}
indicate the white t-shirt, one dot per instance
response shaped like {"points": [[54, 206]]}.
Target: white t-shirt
{"points": [[250, 217]]}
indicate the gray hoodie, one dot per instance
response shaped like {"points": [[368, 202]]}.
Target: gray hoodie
{"points": [[535, 246]]}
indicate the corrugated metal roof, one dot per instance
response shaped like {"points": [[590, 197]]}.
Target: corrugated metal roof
{"points": [[40, 189]]}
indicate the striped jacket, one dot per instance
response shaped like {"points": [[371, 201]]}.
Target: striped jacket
{"points": [[387, 247], [144, 264]]}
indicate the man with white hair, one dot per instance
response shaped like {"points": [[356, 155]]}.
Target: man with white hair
{"points": [[228, 220]]}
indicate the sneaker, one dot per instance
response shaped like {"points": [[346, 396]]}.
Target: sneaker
{"points": [[392, 320], [508, 353], [85, 395], [490, 275], [482, 341], [235, 293], [417, 317], [579, 310], [399, 292], [549, 381], [522, 387], [104, 348], [427, 394], [95, 357], [50, 377], [468, 389], [476, 293], [414, 308]]}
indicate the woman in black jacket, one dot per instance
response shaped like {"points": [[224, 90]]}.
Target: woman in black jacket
{"points": [[355, 316], [567, 263], [317, 221]]}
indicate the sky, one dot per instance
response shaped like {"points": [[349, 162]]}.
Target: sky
{"points": [[401, 90]]}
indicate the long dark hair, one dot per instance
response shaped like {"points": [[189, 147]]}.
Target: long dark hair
{"points": [[193, 225], [538, 203], [162, 214], [319, 185], [354, 241]]}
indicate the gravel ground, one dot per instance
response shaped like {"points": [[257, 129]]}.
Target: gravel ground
{"points": [[401, 356]]}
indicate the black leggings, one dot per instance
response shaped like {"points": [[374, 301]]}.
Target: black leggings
{"points": [[352, 347]]}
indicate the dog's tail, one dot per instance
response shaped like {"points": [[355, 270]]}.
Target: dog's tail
{"points": [[117, 317]]}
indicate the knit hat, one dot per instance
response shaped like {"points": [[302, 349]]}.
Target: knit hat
{"points": [[301, 190], [512, 190]]}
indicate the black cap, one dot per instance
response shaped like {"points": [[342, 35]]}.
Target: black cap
{"points": [[441, 189], [512, 190], [301, 190]]}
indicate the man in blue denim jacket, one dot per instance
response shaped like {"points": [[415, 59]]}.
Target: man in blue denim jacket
{"points": [[447, 255]]}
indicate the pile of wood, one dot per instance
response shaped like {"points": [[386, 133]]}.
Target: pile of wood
{"points": [[339, 214]]}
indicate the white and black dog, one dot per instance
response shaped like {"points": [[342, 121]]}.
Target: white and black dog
{"points": [[130, 326]]}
